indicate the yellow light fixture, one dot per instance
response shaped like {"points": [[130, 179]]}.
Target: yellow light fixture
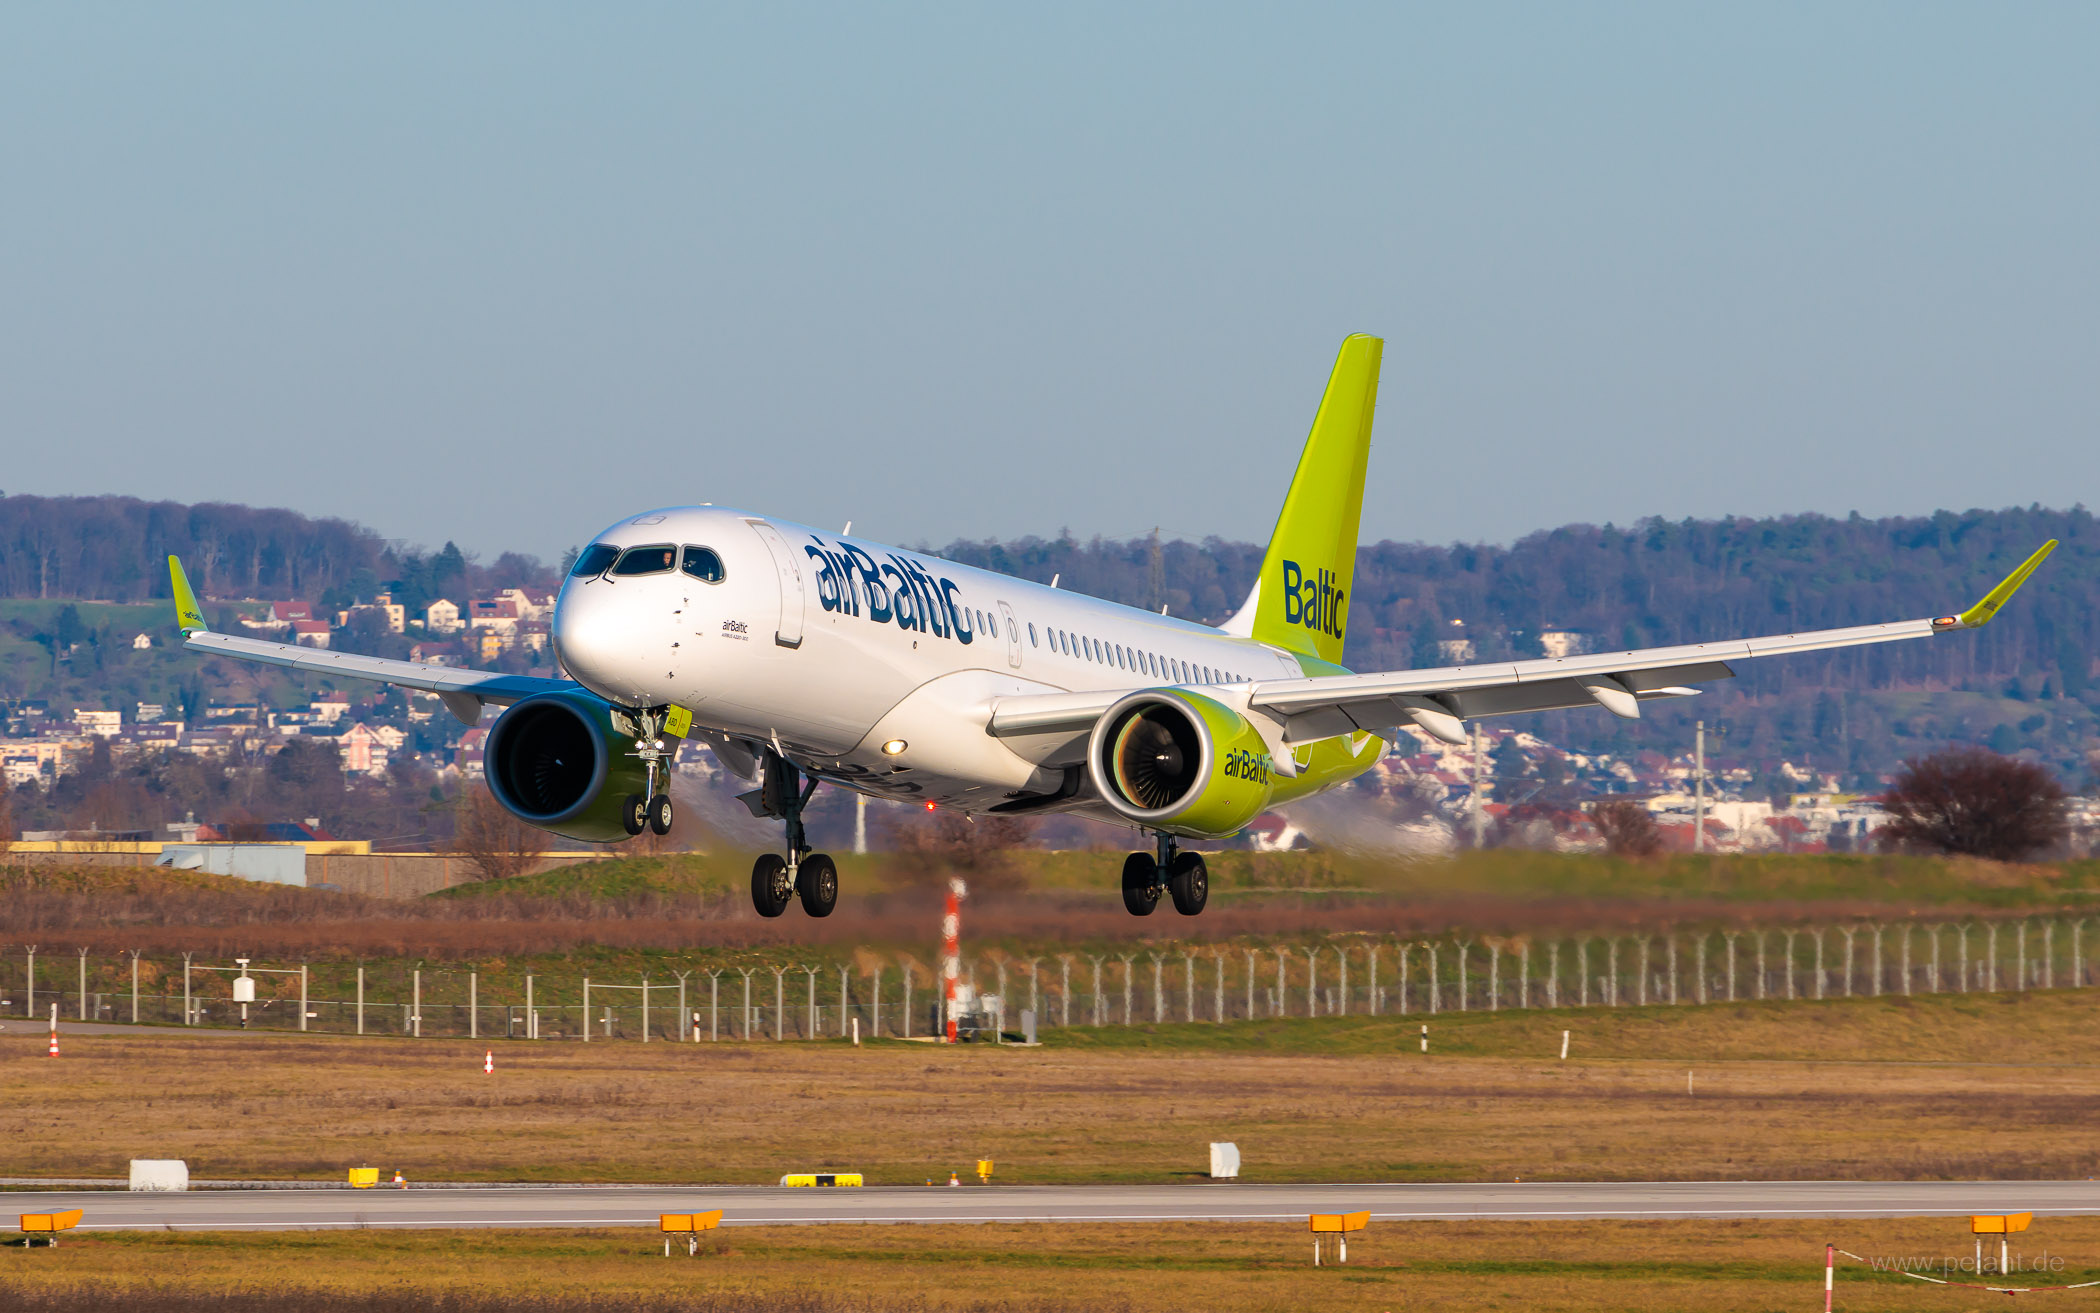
{"points": [[893, 747]]}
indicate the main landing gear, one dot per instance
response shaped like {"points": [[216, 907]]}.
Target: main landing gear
{"points": [[1181, 875], [651, 810], [784, 791]]}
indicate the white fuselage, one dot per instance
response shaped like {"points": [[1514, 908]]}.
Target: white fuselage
{"points": [[835, 648]]}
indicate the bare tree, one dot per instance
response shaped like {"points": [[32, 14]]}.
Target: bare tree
{"points": [[1970, 800], [496, 844], [1628, 828]]}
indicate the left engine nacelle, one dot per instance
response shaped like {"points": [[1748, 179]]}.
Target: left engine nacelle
{"points": [[563, 762], [1179, 761]]}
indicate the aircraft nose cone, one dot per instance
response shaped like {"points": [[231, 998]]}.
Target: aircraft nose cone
{"points": [[585, 641]]}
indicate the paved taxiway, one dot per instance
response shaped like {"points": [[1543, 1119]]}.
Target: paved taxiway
{"points": [[1222, 1202]]}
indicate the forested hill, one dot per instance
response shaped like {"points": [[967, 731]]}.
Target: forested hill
{"points": [[116, 549], [2026, 681]]}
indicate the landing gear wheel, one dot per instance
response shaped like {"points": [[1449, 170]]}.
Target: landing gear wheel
{"points": [[1140, 884], [770, 886], [1188, 879], [817, 881], [660, 814], [634, 813]]}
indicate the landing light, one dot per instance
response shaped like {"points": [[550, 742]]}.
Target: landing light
{"points": [[929, 805], [893, 747]]}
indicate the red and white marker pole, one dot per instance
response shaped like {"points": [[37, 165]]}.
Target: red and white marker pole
{"points": [[1829, 1273], [54, 1030], [488, 1063], [951, 955]]}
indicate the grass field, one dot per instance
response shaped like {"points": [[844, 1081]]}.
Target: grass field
{"points": [[2002, 1086], [1677, 1265]]}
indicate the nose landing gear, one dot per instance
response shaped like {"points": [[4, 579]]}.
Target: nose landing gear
{"points": [[651, 810], [1180, 875], [783, 792]]}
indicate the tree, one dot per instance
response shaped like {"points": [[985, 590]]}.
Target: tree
{"points": [[496, 844], [1628, 828], [1971, 801]]}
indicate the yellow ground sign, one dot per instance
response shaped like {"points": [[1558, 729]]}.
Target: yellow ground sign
{"points": [[2000, 1225], [42, 1223], [681, 1223], [821, 1178], [1340, 1221]]}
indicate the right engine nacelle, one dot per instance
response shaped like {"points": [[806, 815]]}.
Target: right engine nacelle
{"points": [[1178, 761], [564, 762]]}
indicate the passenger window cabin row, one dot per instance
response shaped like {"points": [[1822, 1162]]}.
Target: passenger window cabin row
{"points": [[703, 564]]}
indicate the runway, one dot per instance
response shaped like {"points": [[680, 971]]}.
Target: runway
{"points": [[608, 1206]]}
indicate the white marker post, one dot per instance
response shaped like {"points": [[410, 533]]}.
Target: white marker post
{"points": [[856, 1032], [1564, 1046], [1425, 1037]]}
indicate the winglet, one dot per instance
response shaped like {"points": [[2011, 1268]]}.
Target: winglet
{"points": [[1980, 614], [189, 617]]}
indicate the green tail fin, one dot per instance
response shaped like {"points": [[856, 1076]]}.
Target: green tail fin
{"points": [[1301, 600]]}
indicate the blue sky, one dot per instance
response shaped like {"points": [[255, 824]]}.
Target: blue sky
{"points": [[504, 273]]}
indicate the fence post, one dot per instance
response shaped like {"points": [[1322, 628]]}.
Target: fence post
{"points": [[1494, 975], [1990, 975], [1402, 990], [134, 987], [1129, 985], [1874, 956], [1465, 949], [845, 997], [1064, 990], [2077, 961], [532, 1014], [2048, 955], [1761, 979], [689, 1031], [29, 1008], [1278, 1007], [1553, 974], [2019, 941], [415, 1015], [779, 1003], [84, 991], [1730, 937], [1961, 960], [1670, 955], [1933, 979], [1819, 961], [188, 1012], [1435, 987], [1188, 985], [1850, 933], [1217, 1002], [1582, 971], [875, 1003], [1906, 959], [1159, 998], [1100, 1000], [1699, 967], [1341, 957], [747, 972], [1524, 973], [302, 995], [1371, 964], [1035, 993], [473, 1005], [1640, 993], [1250, 984], [1611, 971], [1312, 982]]}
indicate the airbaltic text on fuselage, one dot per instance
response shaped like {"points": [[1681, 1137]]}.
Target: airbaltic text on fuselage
{"points": [[1243, 765], [1315, 603], [892, 590]]}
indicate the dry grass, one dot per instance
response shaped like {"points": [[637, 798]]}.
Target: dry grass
{"points": [[1902, 1090], [1675, 1265], [1054, 902]]}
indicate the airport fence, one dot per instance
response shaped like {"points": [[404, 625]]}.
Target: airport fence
{"points": [[877, 997]]}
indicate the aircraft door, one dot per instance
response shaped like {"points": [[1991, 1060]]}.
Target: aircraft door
{"points": [[789, 567], [1013, 636]]}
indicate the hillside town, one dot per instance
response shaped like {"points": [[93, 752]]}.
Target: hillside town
{"points": [[1508, 787]]}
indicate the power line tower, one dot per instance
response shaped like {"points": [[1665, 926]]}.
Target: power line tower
{"points": [[1158, 574]]}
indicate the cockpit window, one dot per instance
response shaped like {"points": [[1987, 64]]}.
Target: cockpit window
{"points": [[657, 558], [594, 560], [702, 564]]}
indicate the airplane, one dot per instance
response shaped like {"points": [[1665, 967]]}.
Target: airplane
{"points": [[803, 657]]}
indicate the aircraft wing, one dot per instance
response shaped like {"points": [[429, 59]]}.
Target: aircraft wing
{"points": [[1440, 700], [464, 692]]}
